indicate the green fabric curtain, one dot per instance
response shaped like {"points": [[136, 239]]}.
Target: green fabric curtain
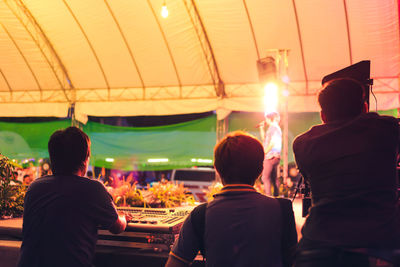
{"points": [[183, 145], [139, 148], [128, 148], [28, 140]]}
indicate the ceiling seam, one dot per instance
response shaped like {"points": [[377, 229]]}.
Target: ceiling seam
{"points": [[168, 48], [201, 44], [41, 50], [252, 29], [127, 46], [91, 47], [24, 58], [348, 31], [220, 90], [301, 44]]}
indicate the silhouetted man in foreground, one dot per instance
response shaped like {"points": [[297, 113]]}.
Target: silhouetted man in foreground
{"points": [[350, 163], [240, 227], [62, 212]]}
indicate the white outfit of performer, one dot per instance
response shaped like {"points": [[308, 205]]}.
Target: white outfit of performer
{"points": [[272, 148]]}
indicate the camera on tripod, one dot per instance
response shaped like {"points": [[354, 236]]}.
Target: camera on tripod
{"points": [[305, 190]]}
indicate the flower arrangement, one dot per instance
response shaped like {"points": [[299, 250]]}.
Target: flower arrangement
{"points": [[164, 194], [126, 195], [12, 192], [171, 194]]}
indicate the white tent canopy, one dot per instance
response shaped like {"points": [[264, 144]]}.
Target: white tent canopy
{"points": [[121, 58]]}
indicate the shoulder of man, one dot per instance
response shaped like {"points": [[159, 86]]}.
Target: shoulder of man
{"points": [[98, 186], [40, 182], [381, 120]]}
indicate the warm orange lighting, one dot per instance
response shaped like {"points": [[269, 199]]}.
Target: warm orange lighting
{"points": [[271, 97], [285, 79], [285, 93]]}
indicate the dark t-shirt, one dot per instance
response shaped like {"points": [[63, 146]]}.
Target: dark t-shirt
{"points": [[242, 228], [61, 217], [351, 166]]}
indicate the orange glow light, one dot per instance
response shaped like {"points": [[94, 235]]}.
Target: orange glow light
{"points": [[270, 98]]}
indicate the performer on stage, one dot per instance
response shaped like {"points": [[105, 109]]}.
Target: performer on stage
{"points": [[272, 140]]}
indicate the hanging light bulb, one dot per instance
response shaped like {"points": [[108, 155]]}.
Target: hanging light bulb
{"points": [[164, 10]]}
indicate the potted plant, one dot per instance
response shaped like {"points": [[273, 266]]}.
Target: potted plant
{"points": [[12, 192]]}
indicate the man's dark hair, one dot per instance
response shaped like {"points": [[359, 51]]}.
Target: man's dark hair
{"points": [[68, 150], [341, 99], [238, 158]]}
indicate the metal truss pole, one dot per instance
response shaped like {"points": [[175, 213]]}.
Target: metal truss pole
{"points": [[285, 94], [222, 128], [281, 61]]}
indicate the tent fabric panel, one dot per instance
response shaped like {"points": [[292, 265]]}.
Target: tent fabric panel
{"points": [[374, 30], [180, 33], [373, 34], [146, 41], [324, 36], [29, 49], [229, 33], [102, 30], [68, 41], [275, 27], [11, 58]]}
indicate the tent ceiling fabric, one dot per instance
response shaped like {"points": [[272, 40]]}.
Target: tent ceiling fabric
{"points": [[122, 58]]}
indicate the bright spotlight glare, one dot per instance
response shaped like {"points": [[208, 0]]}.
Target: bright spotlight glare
{"points": [[270, 97], [164, 11]]}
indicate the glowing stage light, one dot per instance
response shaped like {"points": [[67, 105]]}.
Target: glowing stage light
{"points": [[164, 11], [285, 79], [285, 93], [271, 97]]}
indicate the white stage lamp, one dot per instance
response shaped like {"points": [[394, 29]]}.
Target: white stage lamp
{"points": [[164, 11]]}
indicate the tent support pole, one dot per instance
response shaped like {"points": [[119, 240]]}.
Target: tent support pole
{"points": [[222, 128]]}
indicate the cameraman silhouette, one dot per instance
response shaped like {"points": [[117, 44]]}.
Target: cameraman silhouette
{"points": [[350, 163]]}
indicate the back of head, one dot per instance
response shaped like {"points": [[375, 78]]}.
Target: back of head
{"points": [[273, 116], [68, 149], [238, 158], [341, 99]]}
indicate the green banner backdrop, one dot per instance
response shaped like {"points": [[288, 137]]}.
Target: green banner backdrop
{"points": [[145, 148]]}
